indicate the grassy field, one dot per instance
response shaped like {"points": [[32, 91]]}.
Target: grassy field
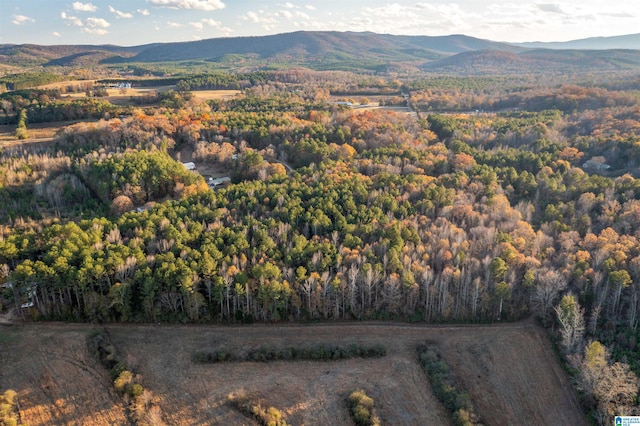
{"points": [[37, 131], [123, 96], [207, 95], [508, 369]]}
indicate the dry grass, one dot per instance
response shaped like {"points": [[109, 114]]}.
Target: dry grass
{"points": [[57, 381], [69, 83], [38, 131], [207, 95], [508, 369], [123, 96]]}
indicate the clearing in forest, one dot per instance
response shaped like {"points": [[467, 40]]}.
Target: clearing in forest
{"points": [[509, 370]]}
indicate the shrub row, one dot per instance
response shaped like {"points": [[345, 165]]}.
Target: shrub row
{"points": [[125, 382], [320, 352], [446, 389], [265, 416], [362, 409]]}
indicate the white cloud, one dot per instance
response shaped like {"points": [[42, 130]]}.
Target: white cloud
{"points": [[96, 31], [174, 24], [310, 7], [21, 19], [97, 26], [144, 12], [267, 20], [119, 14], [212, 23], [225, 31], [288, 5], [56, 34], [72, 20], [97, 23], [270, 20], [84, 7], [189, 4], [550, 7], [208, 22], [91, 25]]}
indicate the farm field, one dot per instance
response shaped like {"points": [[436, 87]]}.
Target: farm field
{"points": [[123, 97], [37, 132], [508, 369]]}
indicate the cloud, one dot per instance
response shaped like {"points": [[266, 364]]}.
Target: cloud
{"points": [[56, 34], [212, 23], [97, 26], [268, 22], [189, 4], [258, 18], [270, 19], [620, 15], [119, 14], [208, 22], [97, 23], [288, 5], [72, 20], [174, 24], [84, 7], [144, 12], [413, 19], [96, 31], [21, 19], [551, 8], [310, 7]]}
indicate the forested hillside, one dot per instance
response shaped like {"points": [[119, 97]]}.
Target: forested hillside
{"points": [[437, 217]]}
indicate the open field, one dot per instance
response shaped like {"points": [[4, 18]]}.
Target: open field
{"points": [[82, 84], [208, 95], [508, 369], [37, 131], [123, 97]]}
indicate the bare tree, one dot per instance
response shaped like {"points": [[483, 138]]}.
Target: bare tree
{"points": [[549, 284], [571, 319]]}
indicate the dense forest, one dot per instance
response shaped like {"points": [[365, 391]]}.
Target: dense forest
{"points": [[444, 215]]}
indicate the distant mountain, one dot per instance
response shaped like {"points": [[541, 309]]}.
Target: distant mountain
{"points": [[317, 46], [324, 50], [33, 54], [485, 62], [304, 47], [631, 41]]}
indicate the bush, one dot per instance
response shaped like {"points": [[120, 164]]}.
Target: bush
{"points": [[134, 390], [267, 417], [8, 414], [319, 352], [445, 387], [362, 409], [124, 380]]}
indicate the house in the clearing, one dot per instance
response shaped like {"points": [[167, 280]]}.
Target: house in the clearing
{"points": [[189, 166], [597, 164], [218, 181]]}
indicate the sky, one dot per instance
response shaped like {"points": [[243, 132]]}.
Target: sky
{"points": [[135, 22]]}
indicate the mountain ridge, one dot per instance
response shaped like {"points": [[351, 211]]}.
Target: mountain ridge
{"points": [[336, 50], [628, 41]]}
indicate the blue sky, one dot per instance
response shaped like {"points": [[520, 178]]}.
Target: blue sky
{"points": [[133, 22]]}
